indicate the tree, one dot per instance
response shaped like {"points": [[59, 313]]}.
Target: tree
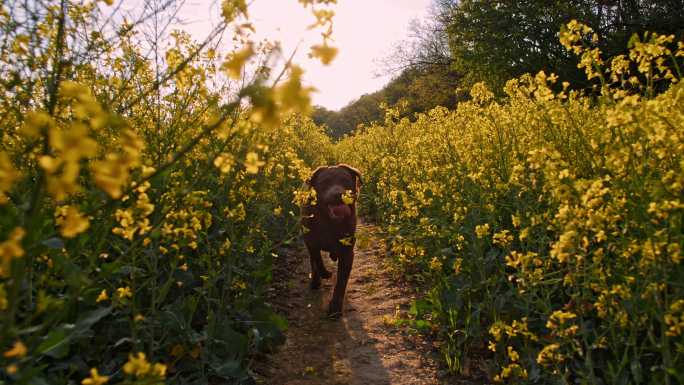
{"points": [[494, 41], [424, 78], [418, 89]]}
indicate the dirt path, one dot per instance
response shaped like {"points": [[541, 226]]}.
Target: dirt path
{"points": [[362, 348]]}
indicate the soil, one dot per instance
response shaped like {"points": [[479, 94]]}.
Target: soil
{"points": [[363, 347]]}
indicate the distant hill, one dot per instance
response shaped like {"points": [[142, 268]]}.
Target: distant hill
{"points": [[420, 88]]}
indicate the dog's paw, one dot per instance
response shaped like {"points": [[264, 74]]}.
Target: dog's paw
{"points": [[334, 311], [333, 315], [325, 274]]}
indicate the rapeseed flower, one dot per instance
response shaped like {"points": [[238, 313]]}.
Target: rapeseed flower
{"points": [[10, 249], [18, 350], [252, 163], [95, 378]]}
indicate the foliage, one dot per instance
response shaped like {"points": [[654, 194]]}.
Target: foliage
{"points": [[493, 41], [422, 78], [143, 195], [548, 223], [461, 43]]}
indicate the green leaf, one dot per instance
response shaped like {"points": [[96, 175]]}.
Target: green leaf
{"points": [[229, 369], [90, 318], [53, 243], [56, 344], [422, 325]]}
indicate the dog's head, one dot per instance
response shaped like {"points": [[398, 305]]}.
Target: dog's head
{"points": [[336, 189]]}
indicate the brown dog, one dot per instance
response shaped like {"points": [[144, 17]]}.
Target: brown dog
{"points": [[329, 225]]}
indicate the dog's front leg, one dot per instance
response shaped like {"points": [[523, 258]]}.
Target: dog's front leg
{"points": [[344, 266], [318, 271]]}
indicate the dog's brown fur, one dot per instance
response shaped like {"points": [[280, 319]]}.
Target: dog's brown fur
{"points": [[326, 230]]}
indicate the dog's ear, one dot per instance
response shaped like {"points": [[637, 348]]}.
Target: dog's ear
{"points": [[312, 179], [356, 173]]}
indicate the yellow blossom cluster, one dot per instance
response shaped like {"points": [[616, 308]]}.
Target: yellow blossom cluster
{"points": [[111, 174], [70, 221], [141, 195], [8, 175], [134, 220], [10, 249], [674, 319], [551, 206], [139, 366]]}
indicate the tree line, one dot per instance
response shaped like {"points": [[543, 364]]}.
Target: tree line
{"points": [[462, 42]]}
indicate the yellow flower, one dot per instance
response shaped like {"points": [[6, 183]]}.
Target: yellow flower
{"points": [[559, 318], [549, 355], [482, 230], [324, 52], [503, 238], [8, 175], [147, 171], [516, 221], [62, 181], [49, 164], [71, 221], [348, 197], [110, 174], [159, 370], [252, 163], [18, 350], [95, 378], [224, 162], [34, 123], [435, 264], [457, 265], [10, 249], [177, 350], [72, 89], [674, 319], [102, 297], [74, 143], [3, 298], [137, 365], [512, 354], [124, 292], [292, 96], [233, 66], [231, 8]]}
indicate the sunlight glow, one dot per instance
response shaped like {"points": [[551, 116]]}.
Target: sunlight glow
{"points": [[365, 32]]}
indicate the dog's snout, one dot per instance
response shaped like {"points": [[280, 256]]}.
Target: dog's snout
{"points": [[333, 195]]}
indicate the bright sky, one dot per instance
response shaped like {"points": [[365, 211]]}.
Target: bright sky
{"points": [[365, 32]]}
